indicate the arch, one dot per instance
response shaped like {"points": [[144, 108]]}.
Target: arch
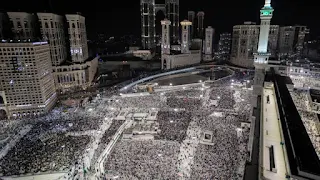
{"points": [[160, 7], [160, 15], [3, 114], [1, 100]]}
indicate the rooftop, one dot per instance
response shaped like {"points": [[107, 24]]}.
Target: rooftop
{"points": [[302, 157]]}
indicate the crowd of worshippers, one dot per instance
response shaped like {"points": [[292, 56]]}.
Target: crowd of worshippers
{"points": [[158, 158], [309, 118], [40, 151], [106, 138], [143, 160], [49, 147]]}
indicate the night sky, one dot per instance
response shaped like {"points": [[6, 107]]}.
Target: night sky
{"points": [[123, 17]]}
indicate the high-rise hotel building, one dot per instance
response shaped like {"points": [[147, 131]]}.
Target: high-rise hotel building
{"points": [[77, 37], [52, 30], [26, 81], [23, 25], [80, 71]]}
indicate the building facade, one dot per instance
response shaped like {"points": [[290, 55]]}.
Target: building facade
{"points": [[170, 61], [81, 75], [172, 9], [23, 25], [27, 86], [52, 30], [77, 37], [1, 25], [148, 31], [291, 40], [224, 46], [286, 38], [245, 43]]}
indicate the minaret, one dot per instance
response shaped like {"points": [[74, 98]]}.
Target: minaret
{"points": [[262, 56], [208, 41], [185, 27], [165, 38], [191, 15], [200, 27]]}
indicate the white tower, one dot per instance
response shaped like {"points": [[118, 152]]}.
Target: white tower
{"points": [[262, 56], [165, 39], [185, 26], [208, 41]]}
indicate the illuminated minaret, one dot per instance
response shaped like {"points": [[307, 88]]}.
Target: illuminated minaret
{"points": [[191, 15], [262, 56], [200, 27], [165, 39], [208, 41], [185, 27]]}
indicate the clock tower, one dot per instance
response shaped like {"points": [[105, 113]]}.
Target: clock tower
{"points": [[262, 56]]}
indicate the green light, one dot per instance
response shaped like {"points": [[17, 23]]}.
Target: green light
{"points": [[266, 12]]}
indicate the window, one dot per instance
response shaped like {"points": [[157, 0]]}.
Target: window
{"points": [[145, 8], [26, 24], [73, 25], [145, 19], [51, 24], [146, 31], [46, 25], [19, 24]]}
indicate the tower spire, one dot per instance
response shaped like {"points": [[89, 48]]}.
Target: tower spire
{"points": [[267, 3]]}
